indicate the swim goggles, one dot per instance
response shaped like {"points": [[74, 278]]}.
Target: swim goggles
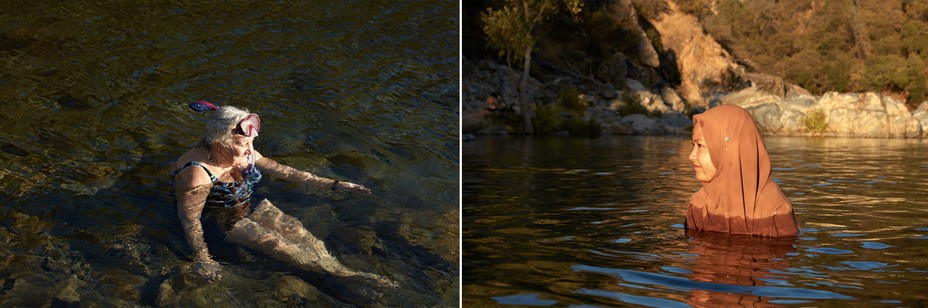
{"points": [[249, 126]]}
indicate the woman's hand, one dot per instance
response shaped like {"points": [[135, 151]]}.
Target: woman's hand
{"points": [[351, 187], [208, 269], [289, 173]]}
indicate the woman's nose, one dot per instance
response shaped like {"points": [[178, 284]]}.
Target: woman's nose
{"points": [[692, 156]]}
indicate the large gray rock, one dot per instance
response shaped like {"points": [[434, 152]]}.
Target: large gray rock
{"points": [[767, 116], [651, 101], [901, 123], [637, 91], [748, 97], [764, 107], [617, 128], [608, 91], [675, 123], [616, 104], [800, 104], [920, 115], [642, 125], [866, 115], [774, 85], [610, 121], [846, 114], [670, 97], [634, 85]]}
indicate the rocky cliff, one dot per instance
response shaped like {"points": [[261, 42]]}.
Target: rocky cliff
{"points": [[685, 71]]}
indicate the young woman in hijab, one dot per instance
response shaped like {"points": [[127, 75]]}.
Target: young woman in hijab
{"points": [[738, 195], [217, 177]]}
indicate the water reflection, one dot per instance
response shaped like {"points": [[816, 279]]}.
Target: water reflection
{"points": [[720, 270], [554, 221], [738, 261]]}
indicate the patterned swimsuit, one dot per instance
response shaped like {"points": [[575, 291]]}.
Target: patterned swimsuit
{"points": [[228, 202]]}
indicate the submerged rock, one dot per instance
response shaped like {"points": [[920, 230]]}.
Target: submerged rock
{"points": [[121, 284], [294, 289]]}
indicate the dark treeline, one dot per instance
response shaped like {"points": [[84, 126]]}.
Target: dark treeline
{"points": [[576, 45]]}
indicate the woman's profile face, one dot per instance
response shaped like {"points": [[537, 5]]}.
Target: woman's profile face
{"points": [[702, 162], [241, 148]]}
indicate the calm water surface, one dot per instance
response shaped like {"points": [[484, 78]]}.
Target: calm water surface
{"points": [[557, 222], [93, 112]]}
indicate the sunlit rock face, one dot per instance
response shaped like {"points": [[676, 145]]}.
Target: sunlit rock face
{"points": [[867, 114], [920, 115], [704, 66]]}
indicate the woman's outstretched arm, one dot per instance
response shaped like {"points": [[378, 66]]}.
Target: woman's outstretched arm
{"points": [[297, 176], [191, 190]]}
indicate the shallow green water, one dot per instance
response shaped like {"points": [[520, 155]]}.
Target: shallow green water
{"points": [[93, 109], [567, 221]]}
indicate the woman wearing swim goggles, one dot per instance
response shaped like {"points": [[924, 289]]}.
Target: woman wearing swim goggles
{"points": [[249, 126], [217, 177]]}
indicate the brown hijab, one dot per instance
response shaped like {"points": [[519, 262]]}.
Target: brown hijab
{"points": [[742, 197]]}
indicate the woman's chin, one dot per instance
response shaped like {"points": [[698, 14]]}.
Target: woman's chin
{"points": [[240, 165]]}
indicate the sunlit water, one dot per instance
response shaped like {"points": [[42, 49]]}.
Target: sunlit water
{"points": [[557, 221], [93, 112]]}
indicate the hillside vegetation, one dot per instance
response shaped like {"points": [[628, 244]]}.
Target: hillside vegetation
{"points": [[844, 45]]}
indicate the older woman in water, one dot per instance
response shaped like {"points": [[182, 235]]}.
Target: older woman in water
{"points": [[738, 195], [217, 178]]}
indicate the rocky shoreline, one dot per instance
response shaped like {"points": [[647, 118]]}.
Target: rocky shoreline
{"points": [[677, 70], [780, 109]]}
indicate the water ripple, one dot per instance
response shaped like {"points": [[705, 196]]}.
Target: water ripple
{"points": [[830, 251], [683, 284], [874, 245], [858, 202], [524, 300]]}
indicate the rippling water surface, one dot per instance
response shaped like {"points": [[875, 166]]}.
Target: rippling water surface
{"points": [[554, 222], [93, 98]]}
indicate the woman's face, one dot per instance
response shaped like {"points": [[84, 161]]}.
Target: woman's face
{"points": [[241, 149], [702, 162]]}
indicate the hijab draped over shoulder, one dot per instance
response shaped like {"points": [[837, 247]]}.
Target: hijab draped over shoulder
{"points": [[742, 197]]}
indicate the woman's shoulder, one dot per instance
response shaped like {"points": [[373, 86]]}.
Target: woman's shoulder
{"points": [[192, 176], [194, 154], [190, 169]]}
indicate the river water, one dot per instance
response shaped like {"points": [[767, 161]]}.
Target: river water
{"points": [[93, 97], [567, 221]]}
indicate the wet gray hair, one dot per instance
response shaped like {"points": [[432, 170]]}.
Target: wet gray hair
{"points": [[220, 125]]}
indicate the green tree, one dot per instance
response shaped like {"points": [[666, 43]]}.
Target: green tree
{"points": [[915, 37], [509, 30]]}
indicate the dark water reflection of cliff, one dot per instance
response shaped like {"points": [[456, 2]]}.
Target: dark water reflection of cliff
{"points": [[93, 110], [558, 221]]}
